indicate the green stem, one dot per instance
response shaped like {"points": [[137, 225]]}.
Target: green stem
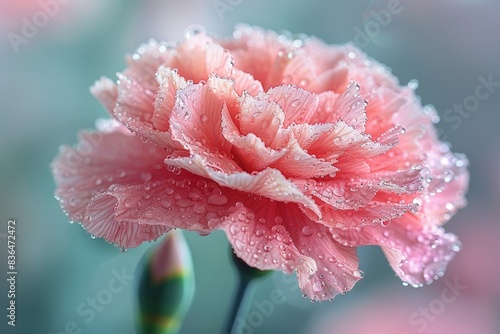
{"points": [[238, 304], [246, 275]]}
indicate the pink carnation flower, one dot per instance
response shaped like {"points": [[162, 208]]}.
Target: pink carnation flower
{"points": [[298, 150]]}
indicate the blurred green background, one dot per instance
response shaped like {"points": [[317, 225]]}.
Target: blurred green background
{"points": [[45, 100]]}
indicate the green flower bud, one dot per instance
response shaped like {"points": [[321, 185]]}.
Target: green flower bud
{"points": [[165, 286]]}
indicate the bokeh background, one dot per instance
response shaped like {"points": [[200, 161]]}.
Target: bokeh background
{"points": [[44, 100]]}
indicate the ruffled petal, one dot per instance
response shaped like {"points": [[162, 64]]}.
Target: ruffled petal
{"points": [[135, 109], [417, 254], [333, 268], [196, 124], [445, 186], [100, 160], [245, 82], [260, 117], [298, 105], [298, 163], [272, 236], [144, 63], [350, 107], [100, 221], [199, 56], [179, 200], [106, 91], [357, 192], [256, 232], [251, 151], [268, 183], [331, 80], [260, 53], [169, 83], [373, 213]]}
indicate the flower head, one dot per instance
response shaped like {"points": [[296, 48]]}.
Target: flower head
{"points": [[298, 150]]}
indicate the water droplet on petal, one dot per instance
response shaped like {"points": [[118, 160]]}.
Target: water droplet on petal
{"points": [[199, 209], [260, 232], [146, 177], [307, 231], [184, 203], [166, 203], [238, 244], [413, 84], [318, 286], [358, 273], [295, 103], [234, 229], [217, 199]]}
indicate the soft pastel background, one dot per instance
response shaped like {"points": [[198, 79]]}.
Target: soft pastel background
{"points": [[44, 100]]}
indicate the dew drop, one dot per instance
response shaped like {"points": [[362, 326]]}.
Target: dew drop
{"points": [[146, 177], [184, 203], [260, 232], [318, 286], [217, 199], [238, 244], [234, 229], [385, 223], [413, 84], [456, 247], [358, 273], [73, 201], [307, 231], [201, 184], [295, 103], [199, 209], [129, 202], [166, 203]]}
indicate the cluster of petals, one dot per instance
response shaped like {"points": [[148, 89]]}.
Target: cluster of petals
{"points": [[298, 150]]}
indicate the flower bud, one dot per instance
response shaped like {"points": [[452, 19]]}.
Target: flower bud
{"points": [[166, 286]]}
